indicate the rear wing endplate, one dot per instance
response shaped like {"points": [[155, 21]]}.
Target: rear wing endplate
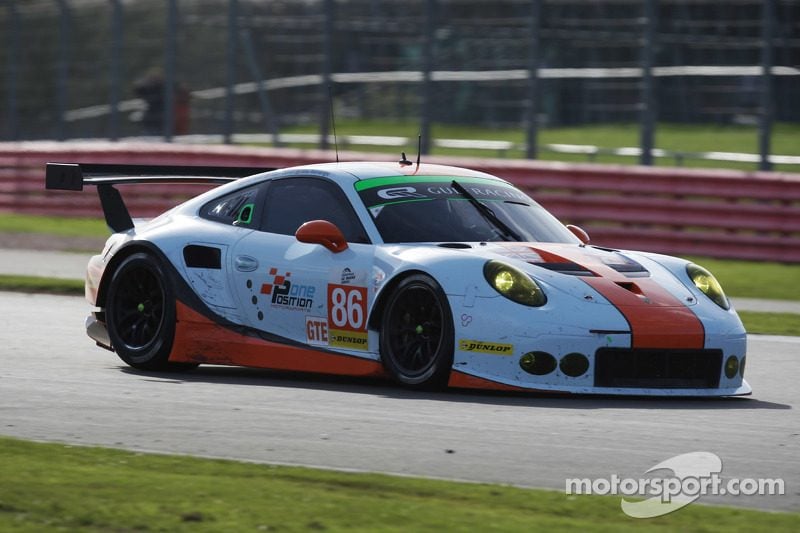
{"points": [[74, 176]]}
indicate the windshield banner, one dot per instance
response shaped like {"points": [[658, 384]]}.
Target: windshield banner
{"points": [[433, 188]]}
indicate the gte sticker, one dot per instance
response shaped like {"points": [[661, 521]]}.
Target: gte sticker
{"points": [[347, 316], [317, 330], [494, 348], [287, 294]]}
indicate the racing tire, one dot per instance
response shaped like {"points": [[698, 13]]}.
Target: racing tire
{"points": [[140, 314], [416, 335]]}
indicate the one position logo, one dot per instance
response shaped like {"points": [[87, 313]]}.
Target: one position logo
{"points": [[286, 294]]}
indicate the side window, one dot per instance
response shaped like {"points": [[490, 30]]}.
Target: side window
{"points": [[292, 202], [237, 208]]}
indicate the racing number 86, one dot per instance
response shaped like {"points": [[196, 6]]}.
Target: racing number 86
{"points": [[346, 307]]}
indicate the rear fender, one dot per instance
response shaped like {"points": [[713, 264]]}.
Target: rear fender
{"points": [[125, 251]]}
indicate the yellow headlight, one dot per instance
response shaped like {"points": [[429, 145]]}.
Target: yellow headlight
{"points": [[708, 285], [504, 281], [514, 284]]}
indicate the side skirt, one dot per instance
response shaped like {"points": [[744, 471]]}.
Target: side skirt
{"points": [[200, 340]]}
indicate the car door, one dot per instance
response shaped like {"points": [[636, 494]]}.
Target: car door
{"points": [[300, 291]]}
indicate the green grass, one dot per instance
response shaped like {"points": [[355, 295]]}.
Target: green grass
{"points": [[771, 323], [675, 137], [58, 487], [752, 279], [73, 287], [60, 226]]}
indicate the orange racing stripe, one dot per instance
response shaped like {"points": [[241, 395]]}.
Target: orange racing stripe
{"points": [[200, 340], [657, 318]]}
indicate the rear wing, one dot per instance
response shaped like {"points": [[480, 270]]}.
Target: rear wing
{"points": [[74, 176]]}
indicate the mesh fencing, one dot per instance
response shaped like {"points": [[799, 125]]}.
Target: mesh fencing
{"points": [[107, 68]]}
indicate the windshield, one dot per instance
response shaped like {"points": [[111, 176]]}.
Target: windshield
{"points": [[457, 209]]}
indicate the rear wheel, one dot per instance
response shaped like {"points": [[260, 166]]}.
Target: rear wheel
{"points": [[416, 341], [140, 313]]}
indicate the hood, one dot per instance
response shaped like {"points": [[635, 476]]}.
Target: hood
{"points": [[654, 302], [575, 260], [618, 277]]}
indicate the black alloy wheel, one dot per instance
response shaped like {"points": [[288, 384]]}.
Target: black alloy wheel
{"points": [[416, 340], [140, 313]]}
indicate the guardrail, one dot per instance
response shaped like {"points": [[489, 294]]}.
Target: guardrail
{"points": [[717, 213]]}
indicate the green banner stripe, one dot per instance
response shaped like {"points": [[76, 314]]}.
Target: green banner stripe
{"points": [[395, 202], [371, 183]]}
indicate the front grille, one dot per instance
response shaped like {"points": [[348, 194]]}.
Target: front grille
{"points": [[657, 369]]}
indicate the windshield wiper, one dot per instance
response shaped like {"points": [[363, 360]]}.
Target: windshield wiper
{"points": [[487, 213]]}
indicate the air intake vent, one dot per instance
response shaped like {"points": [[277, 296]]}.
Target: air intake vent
{"points": [[457, 245], [657, 369]]}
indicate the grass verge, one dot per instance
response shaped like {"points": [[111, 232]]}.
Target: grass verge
{"points": [[771, 323], [71, 287], [56, 486], [755, 279], [60, 226]]}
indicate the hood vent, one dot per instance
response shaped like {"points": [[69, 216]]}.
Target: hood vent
{"points": [[571, 269], [630, 269]]}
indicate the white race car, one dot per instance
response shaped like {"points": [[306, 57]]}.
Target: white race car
{"points": [[432, 275]]}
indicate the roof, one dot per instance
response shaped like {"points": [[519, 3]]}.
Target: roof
{"points": [[369, 170]]}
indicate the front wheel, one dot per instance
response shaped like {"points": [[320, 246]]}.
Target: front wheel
{"points": [[416, 338], [140, 313]]}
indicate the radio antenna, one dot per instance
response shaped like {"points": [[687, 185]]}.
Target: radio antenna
{"points": [[419, 149], [333, 122]]}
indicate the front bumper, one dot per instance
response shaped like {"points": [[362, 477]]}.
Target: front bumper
{"points": [[590, 349]]}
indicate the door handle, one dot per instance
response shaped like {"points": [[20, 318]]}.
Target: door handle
{"points": [[245, 263]]}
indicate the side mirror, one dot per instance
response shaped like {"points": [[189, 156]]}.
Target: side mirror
{"points": [[324, 233], [579, 233]]}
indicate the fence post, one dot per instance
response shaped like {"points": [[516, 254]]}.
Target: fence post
{"points": [[13, 28], [533, 79], [270, 123], [647, 124], [230, 70], [767, 108], [170, 55], [427, 83], [325, 89], [115, 71], [62, 67]]}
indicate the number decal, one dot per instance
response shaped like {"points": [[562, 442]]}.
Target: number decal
{"points": [[338, 306], [347, 316], [355, 309]]}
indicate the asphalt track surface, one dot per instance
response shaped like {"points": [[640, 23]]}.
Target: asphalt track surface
{"points": [[55, 385]]}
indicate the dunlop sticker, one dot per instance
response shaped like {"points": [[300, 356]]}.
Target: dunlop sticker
{"points": [[494, 348], [354, 340]]}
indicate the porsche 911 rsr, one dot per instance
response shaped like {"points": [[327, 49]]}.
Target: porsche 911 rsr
{"points": [[428, 274]]}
